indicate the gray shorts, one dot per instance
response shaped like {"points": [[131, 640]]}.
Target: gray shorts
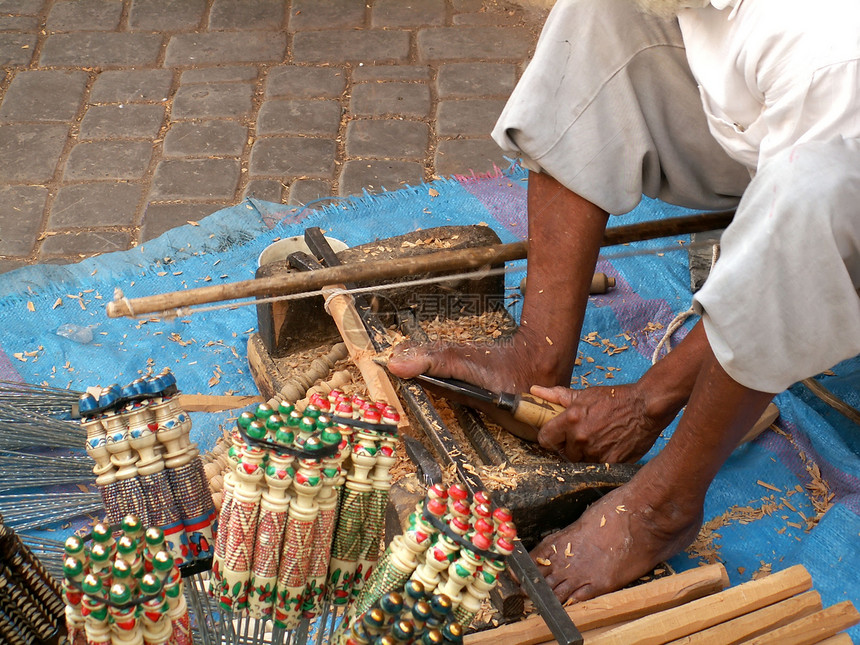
{"points": [[608, 107]]}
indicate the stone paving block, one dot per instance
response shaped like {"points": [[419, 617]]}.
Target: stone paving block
{"points": [[407, 13], [403, 99], [83, 49], [387, 138], [467, 116], [43, 95], [281, 156], [467, 5], [30, 152], [126, 85], [483, 18], [16, 49], [84, 15], [19, 23], [247, 14], [326, 14], [101, 203], [123, 121], [207, 138], [22, 7], [159, 218], [305, 191], [200, 101], [299, 116], [462, 156], [166, 15], [195, 179], [476, 79], [269, 190], [10, 265], [390, 73], [371, 45], [376, 175], [85, 243], [297, 82], [21, 209], [232, 74], [479, 43], [108, 160], [225, 47]]}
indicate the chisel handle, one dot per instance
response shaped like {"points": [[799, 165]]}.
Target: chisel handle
{"points": [[529, 409]]}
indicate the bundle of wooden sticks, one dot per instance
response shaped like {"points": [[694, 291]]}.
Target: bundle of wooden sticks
{"points": [[698, 607]]}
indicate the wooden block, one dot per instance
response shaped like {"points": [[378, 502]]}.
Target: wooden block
{"points": [[215, 403], [615, 607], [701, 614], [757, 622], [813, 628]]}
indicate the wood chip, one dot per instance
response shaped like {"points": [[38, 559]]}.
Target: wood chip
{"points": [[543, 562], [602, 520], [769, 486]]}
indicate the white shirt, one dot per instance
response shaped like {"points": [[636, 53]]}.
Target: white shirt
{"points": [[774, 73]]}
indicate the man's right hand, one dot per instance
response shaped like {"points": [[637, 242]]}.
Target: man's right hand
{"points": [[606, 424]]}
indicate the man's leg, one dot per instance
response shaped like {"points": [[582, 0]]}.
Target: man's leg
{"points": [[659, 512]]}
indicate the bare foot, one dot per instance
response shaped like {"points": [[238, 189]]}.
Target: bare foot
{"points": [[603, 424], [618, 539], [510, 365]]}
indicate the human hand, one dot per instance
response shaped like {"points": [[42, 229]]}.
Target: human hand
{"points": [[600, 424]]}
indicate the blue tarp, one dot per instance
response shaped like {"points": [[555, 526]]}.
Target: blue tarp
{"points": [[207, 352]]}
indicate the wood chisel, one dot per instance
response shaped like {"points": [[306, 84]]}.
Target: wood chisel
{"points": [[524, 407]]}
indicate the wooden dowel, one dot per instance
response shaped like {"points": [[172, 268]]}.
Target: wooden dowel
{"points": [[757, 622], [447, 260], [813, 628], [361, 351], [615, 607], [215, 403], [695, 616], [839, 639]]}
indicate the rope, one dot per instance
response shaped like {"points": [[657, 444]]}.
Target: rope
{"points": [[679, 320]]}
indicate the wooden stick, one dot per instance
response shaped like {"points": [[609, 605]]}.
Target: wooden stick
{"points": [[449, 260], [695, 616], [615, 607], [839, 639], [215, 403], [361, 351], [811, 629], [757, 622]]}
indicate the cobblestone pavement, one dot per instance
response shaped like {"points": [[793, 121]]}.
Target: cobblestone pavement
{"points": [[120, 119]]}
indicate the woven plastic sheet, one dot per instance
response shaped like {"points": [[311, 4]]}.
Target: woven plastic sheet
{"points": [[207, 351]]}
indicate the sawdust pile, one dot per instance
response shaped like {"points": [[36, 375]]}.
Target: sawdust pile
{"points": [[817, 492]]}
